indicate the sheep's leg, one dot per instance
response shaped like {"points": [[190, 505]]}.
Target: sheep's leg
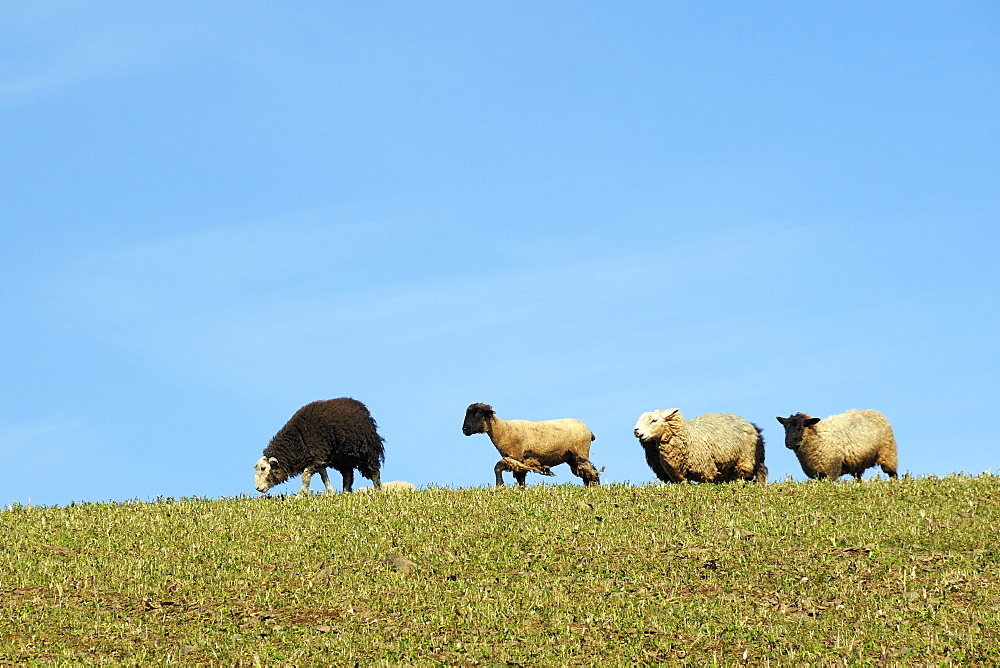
{"points": [[760, 474], [376, 479], [888, 465], [744, 470], [348, 475], [326, 481], [585, 470], [501, 466], [519, 469], [589, 473], [306, 478]]}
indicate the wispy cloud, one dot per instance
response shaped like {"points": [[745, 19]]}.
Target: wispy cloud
{"points": [[47, 446], [54, 47], [300, 301], [69, 65]]}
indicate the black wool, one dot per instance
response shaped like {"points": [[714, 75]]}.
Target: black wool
{"points": [[338, 433]]}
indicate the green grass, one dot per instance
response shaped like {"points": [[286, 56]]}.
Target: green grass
{"points": [[904, 571]]}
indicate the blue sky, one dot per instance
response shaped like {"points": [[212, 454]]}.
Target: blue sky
{"points": [[214, 213]]}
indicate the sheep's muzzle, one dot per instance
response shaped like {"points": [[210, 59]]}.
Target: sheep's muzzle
{"points": [[470, 429]]}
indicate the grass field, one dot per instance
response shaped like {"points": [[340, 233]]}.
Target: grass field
{"points": [[897, 572]]}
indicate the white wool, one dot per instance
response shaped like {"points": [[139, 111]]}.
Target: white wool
{"points": [[846, 443], [391, 486], [715, 447]]}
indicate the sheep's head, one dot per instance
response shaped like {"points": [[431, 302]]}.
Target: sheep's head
{"points": [[268, 473], [795, 427], [654, 425], [477, 419]]}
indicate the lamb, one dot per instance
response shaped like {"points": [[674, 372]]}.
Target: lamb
{"points": [[715, 447], [534, 446], [391, 486], [846, 443], [338, 433]]}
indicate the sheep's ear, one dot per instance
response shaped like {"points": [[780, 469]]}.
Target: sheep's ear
{"points": [[811, 422], [782, 420], [671, 412]]}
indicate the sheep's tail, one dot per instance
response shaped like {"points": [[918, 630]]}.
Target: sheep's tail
{"points": [[887, 457], [759, 470], [376, 444]]}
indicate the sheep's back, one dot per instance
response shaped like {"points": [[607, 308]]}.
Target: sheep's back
{"points": [[551, 439], [348, 428], [337, 432], [725, 435], [707, 448], [855, 433]]}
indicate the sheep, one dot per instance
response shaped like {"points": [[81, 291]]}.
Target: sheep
{"points": [[338, 433], [715, 447], [846, 443], [391, 486], [534, 446]]}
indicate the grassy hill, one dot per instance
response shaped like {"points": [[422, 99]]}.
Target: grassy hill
{"points": [[902, 571]]}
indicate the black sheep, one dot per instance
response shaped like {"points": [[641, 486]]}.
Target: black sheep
{"points": [[338, 433]]}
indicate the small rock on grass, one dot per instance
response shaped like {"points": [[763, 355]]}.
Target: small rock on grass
{"points": [[401, 563]]}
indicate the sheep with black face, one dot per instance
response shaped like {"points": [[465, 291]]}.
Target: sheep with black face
{"points": [[536, 447], [848, 442], [338, 433]]}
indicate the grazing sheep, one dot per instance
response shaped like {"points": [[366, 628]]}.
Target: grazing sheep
{"points": [[391, 486], [846, 443], [715, 447], [534, 446], [338, 433]]}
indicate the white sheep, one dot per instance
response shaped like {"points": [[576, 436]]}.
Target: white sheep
{"points": [[534, 446], [846, 443], [391, 486], [715, 447]]}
